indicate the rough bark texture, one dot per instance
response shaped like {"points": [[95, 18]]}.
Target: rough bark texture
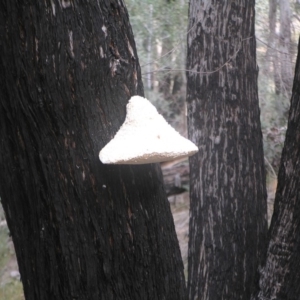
{"points": [[81, 229], [280, 274], [228, 222]]}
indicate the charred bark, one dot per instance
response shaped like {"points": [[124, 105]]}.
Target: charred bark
{"points": [[280, 274], [228, 223], [81, 229]]}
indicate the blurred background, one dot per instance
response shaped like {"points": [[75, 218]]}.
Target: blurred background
{"points": [[160, 31]]}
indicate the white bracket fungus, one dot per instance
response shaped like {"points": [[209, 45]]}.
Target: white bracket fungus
{"points": [[145, 137]]}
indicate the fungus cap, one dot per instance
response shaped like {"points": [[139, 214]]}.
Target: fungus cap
{"points": [[145, 137]]}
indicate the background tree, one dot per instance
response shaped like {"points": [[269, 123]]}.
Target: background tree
{"points": [[160, 31], [272, 53], [228, 216], [81, 230], [276, 56], [285, 48], [279, 275]]}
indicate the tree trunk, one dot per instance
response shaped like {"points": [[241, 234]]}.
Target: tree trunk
{"points": [[284, 47], [272, 54], [280, 274], [228, 221], [278, 55], [81, 229]]}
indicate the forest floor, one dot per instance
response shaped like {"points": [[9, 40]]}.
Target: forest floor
{"points": [[11, 287]]}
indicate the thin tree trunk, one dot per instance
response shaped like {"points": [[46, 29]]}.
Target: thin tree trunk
{"points": [[81, 229], [228, 223], [272, 28], [149, 48], [272, 54], [278, 54], [280, 274], [284, 47]]}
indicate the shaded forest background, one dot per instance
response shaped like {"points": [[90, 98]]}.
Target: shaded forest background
{"points": [[160, 30], [160, 33]]}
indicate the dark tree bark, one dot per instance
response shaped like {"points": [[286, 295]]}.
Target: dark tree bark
{"points": [[81, 229], [228, 223], [280, 274]]}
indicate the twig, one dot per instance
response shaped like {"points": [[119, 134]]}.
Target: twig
{"points": [[271, 47], [270, 166], [196, 72], [296, 17]]}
